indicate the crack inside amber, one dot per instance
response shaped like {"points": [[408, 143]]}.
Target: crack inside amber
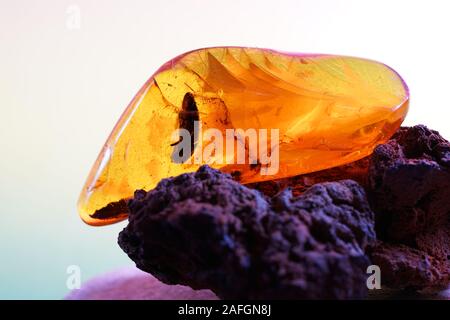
{"points": [[329, 110]]}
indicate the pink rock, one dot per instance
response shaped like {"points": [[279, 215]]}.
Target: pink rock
{"points": [[133, 284]]}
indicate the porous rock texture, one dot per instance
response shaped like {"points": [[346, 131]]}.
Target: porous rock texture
{"points": [[206, 230], [409, 189]]}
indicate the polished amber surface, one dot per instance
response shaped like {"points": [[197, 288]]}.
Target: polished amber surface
{"points": [[329, 110]]}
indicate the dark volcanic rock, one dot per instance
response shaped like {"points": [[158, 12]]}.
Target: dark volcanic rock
{"points": [[410, 184], [207, 231], [409, 189], [405, 267]]}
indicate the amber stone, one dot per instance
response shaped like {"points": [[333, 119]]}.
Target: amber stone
{"points": [[329, 110]]}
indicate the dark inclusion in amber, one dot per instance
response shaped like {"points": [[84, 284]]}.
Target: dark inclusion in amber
{"points": [[329, 110]]}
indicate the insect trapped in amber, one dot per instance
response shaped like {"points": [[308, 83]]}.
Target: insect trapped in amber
{"points": [[289, 113]]}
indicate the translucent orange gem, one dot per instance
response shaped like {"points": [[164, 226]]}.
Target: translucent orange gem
{"points": [[329, 110]]}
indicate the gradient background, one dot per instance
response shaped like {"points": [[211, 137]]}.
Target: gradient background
{"points": [[62, 90]]}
